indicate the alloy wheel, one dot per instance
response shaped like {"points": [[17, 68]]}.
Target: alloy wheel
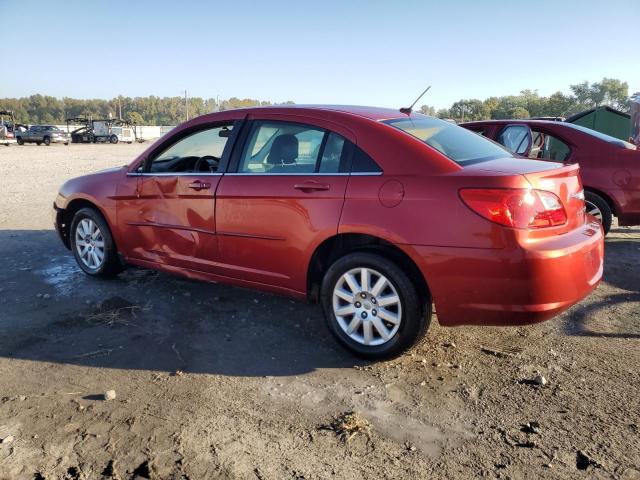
{"points": [[367, 306], [90, 244], [592, 209]]}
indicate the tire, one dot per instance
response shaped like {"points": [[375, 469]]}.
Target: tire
{"points": [[598, 207], [38, 143], [414, 314], [113, 139], [109, 265], [47, 141], [20, 141]]}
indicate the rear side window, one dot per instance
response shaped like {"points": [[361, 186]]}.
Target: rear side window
{"points": [[549, 148], [459, 144], [281, 148], [363, 163]]}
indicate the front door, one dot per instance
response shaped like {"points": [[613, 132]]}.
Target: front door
{"points": [[285, 191], [169, 217]]}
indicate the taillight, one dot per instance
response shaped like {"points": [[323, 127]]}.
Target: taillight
{"points": [[9, 134], [516, 207]]}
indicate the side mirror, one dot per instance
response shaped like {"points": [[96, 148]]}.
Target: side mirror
{"points": [[224, 133]]}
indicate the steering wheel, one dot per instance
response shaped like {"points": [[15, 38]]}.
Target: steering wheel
{"points": [[209, 162]]}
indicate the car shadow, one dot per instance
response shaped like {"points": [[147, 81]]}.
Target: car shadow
{"points": [[598, 316], [50, 311]]}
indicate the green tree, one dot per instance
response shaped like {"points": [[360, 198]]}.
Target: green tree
{"points": [[427, 110], [469, 110], [135, 118]]}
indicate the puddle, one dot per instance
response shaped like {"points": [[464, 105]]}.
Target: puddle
{"points": [[61, 275]]}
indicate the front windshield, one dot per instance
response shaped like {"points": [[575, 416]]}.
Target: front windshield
{"points": [[603, 136], [459, 144]]}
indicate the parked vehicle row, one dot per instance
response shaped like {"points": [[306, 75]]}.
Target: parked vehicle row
{"points": [[373, 213], [609, 167], [91, 131]]}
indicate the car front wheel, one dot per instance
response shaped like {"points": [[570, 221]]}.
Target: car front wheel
{"points": [[92, 244], [372, 307]]}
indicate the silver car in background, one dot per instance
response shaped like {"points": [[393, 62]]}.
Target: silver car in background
{"points": [[40, 134]]}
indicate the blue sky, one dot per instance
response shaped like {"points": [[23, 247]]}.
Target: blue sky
{"points": [[355, 52]]}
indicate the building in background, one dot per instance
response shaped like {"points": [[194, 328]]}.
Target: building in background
{"points": [[606, 120], [635, 120]]}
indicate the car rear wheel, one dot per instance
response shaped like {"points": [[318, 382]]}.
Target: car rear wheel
{"points": [[47, 141], [92, 244], [113, 139], [20, 141], [38, 143], [599, 208], [372, 307]]}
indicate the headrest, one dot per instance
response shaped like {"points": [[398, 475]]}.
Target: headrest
{"points": [[284, 150]]}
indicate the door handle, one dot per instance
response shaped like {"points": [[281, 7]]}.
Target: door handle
{"points": [[198, 185], [311, 186]]}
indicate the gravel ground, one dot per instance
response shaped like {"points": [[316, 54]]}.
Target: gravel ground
{"points": [[250, 385]]}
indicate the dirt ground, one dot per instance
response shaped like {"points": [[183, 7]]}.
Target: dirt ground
{"points": [[219, 382]]}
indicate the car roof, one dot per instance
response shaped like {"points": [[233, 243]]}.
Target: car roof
{"points": [[372, 113], [527, 121]]}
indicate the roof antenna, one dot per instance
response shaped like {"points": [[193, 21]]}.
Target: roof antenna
{"points": [[409, 109]]}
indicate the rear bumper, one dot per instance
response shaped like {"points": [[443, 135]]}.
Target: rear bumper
{"points": [[519, 285]]}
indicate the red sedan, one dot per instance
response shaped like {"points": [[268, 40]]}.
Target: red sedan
{"points": [[374, 213], [610, 168]]}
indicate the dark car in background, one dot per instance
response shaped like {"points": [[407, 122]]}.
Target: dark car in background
{"points": [[609, 167], [40, 134]]}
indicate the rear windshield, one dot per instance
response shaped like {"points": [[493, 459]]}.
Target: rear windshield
{"points": [[603, 136], [459, 144]]}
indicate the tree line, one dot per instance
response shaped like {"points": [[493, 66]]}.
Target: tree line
{"points": [[152, 110], [582, 96]]}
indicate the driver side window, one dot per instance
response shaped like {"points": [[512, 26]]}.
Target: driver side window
{"points": [[199, 152]]}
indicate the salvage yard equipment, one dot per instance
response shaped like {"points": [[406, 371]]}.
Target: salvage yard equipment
{"points": [[106, 130], [113, 131], [83, 134], [7, 128]]}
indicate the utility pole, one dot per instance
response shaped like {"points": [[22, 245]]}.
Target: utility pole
{"points": [[186, 107]]}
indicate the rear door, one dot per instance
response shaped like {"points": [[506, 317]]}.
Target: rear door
{"points": [[285, 191]]}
